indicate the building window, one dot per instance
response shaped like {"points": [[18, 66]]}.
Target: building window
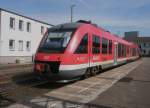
{"points": [[20, 45], [47, 28], [28, 27], [140, 46], [104, 45], [12, 44], [28, 46], [144, 44], [21, 25], [12, 23], [42, 30], [96, 44], [83, 46], [149, 53], [144, 52]]}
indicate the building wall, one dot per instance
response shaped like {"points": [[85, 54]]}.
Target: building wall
{"points": [[8, 33], [145, 48], [131, 36], [143, 42]]}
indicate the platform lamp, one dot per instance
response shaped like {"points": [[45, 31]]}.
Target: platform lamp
{"points": [[71, 7]]}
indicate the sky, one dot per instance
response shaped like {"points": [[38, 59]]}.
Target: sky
{"points": [[117, 16]]}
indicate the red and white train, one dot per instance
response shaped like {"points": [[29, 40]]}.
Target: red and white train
{"points": [[80, 49]]}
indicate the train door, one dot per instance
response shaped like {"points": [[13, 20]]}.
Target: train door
{"points": [[94, 53], [115, 52], [89, 50], [104, 49]]}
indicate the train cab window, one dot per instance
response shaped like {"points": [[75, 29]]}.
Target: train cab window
{"points": [[104, 45], [56, 41], [95, 44], [83, 46], [110, 46]]}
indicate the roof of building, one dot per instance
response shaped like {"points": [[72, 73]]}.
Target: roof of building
{"points": [[25, 16]]}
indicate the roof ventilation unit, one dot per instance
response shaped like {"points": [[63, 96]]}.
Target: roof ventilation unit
{"points": [[84, 21]]}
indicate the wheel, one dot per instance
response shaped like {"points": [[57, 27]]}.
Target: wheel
{"points": [[94, 71], [87, 73]]}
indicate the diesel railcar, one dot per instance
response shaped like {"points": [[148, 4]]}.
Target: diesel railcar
{"points": [[78, 49]]}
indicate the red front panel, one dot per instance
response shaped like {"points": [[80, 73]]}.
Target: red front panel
{"points": [[48, 57]]}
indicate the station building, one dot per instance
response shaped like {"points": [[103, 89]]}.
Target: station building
{"points": [[143, 42], [19, 37]]}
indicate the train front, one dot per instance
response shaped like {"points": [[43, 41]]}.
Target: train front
{"points": [[51, 52]]}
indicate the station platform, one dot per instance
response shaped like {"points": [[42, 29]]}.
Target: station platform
{"points": [[121, 87], [132, 91]]}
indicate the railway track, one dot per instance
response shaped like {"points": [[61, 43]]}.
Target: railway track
{"points": [[5, 67], [25, 89], [9, 77], [19, 83], [6, 87]]}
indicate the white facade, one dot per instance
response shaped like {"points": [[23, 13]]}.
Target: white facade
{"points": [[145, 48], [18, 43]]}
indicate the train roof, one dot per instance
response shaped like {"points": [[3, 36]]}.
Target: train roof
{"points": [[67, 26], [73, 25], [77, 24]]}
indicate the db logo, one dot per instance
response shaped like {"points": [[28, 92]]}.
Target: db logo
{"points": [[46, 57]]}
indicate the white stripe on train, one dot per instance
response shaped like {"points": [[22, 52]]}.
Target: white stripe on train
{"points": [[81, 66]]}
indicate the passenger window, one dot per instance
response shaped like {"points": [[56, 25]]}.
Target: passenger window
{"points": [[134, 52], [104, 45], [83, 46], [110, 46], [95, 44], [122, 50], [119, 50], [127, 49]]}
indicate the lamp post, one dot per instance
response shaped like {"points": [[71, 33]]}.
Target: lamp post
{"points": [[71, 7]]}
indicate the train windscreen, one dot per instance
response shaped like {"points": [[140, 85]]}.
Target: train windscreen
{"points": [[56, 41]]}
